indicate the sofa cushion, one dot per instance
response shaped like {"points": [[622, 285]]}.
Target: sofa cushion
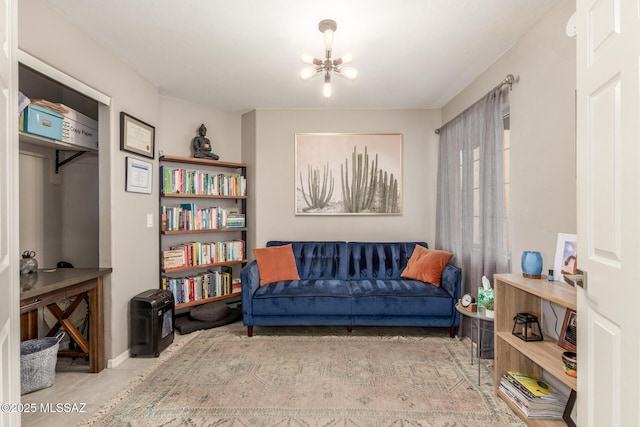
{"points": [[399, 298], [318, 260], [276, 264], [303, 297], [379, 260], [426, 265]]}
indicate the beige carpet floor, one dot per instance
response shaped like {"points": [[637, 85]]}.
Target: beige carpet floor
{"points": [[378, 377]]}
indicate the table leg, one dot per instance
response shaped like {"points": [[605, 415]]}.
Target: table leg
{"points": [[479, 346], [96, 328]]}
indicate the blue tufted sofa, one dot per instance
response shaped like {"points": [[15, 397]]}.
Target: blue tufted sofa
{"points": [[350, 284]]}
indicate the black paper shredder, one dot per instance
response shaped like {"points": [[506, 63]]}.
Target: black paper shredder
{"points": [[152, 315]]}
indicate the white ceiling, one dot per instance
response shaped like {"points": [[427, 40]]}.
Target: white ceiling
{"points": [[238, 55]]}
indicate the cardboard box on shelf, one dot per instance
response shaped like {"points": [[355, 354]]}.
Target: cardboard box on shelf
{"points": [[79, 129]]}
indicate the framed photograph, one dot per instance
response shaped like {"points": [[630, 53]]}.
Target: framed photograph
{"points": [[137, 136], [569, 334], [348, 174], [138, 176], [566, 261], [570, 411]]}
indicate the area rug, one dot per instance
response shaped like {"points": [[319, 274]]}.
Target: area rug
{"points": [[312, 377]]}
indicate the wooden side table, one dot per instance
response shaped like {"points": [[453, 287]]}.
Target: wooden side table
{"points": [[478, 317], [47, 288]]}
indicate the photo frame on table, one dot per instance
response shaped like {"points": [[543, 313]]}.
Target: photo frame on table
{"points": [[570, 411], [139, 176], [137, 136], [566, 260], [348, 174], [569, 334]]}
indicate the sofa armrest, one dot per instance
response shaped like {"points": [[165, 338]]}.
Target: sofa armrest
{"points": [[250, 278], [451, 281]]}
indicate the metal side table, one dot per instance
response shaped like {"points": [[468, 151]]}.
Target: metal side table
{"points": [[476, 316]]}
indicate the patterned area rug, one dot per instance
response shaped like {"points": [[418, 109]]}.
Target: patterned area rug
{"points": [[312, 377]]}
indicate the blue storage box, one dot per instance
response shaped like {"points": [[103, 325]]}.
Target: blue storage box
{"points": [[43, 121]]}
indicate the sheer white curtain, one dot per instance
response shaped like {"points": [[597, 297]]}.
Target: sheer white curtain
{"points": [[470, 213]]}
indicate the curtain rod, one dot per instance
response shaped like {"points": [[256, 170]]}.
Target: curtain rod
{"points": [[508, 80]]}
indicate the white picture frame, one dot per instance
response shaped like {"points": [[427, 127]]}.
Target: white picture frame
{"points": [[566, 260], [139, 176]]}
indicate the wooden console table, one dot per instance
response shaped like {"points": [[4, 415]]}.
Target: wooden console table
{"points": [[46, 288]]}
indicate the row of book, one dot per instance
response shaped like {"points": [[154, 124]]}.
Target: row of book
{"points": [[183, 181], [533, 396], [193, 254], [205, 285], [188, 216]]}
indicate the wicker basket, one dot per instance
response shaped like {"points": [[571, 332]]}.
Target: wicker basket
{"points": [[38, 363]]}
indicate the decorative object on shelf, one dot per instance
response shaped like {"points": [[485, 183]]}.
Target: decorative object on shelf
{"points": [[136, 136], [28, 263], [488, 308], [531, 264], [566, 261], [570, 363], [526, 327], [201, 145], [138, 176], [569, 333], [327, 66], [369, 167]]}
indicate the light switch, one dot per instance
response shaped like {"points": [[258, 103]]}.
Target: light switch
{"points": [[149, 220]]}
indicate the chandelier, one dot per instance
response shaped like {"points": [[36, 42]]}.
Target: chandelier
{"points": [[327, 66]]}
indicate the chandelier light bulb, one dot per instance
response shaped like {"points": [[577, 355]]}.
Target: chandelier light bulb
{"points": [[347, 58], [328, 39], [307, 73], [349, 72], [326, 90]]}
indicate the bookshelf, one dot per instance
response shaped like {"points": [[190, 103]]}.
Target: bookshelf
{"points": [[199, 200], [516, 294]]}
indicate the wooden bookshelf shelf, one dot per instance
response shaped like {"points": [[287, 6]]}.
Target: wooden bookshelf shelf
{"points": [[205, 300], [208, 230], [199, 196], [515, 294], [202, 162], [203, 266]]}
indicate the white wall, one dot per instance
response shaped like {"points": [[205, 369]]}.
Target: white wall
{"points": [[543, 201], [274, 183], [126, 244]]}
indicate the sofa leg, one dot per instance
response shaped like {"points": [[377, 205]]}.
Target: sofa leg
{"points": [[349, 328], [452, 332], [249, 331]]}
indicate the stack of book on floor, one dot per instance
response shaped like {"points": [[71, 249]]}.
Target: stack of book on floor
{"points": [[533, 396]]}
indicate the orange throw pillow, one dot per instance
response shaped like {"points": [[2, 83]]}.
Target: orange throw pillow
{"points": [[275, 264], [426, 265]]}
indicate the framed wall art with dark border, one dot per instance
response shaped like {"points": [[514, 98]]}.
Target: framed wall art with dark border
{"points": [[137, 136], [569, 334]]}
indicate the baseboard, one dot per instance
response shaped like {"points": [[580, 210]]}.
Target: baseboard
{"points": [[112, 363]]}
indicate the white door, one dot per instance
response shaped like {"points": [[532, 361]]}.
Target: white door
{"points": [[608, 185], [9, 251]]}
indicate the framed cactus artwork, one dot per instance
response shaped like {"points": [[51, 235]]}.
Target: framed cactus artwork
{"points": [[348, 174]]}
